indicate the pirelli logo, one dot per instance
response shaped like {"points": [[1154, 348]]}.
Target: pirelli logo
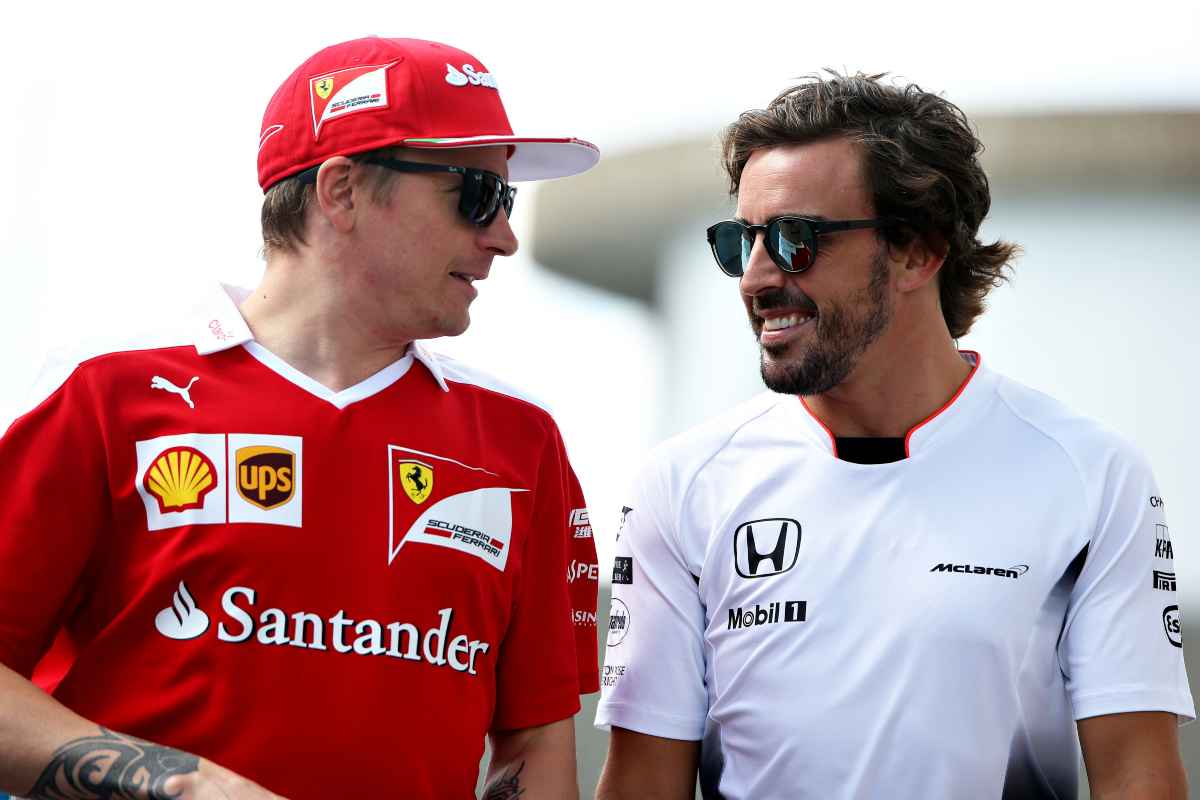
{"points": [[1164, 581]]}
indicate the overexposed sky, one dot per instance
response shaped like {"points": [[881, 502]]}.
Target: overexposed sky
{"points": [[129, 133]]}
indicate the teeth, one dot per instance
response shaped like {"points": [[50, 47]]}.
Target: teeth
{"points": [[467, 278], [779, 323]]}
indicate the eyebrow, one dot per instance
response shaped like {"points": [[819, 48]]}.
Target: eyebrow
{"points": [[813, 217]]}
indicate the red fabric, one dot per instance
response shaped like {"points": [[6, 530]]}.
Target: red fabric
{"points": [[301, 720]]}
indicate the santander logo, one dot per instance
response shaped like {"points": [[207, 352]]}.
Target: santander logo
{"points": [[468, 75], [437, 640], [183, 619]]}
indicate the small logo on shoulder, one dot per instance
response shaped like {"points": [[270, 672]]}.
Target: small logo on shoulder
{"points": [[622, 569], [618, 622], [1173, 625]]}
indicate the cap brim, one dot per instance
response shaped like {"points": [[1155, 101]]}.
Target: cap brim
{"points": [[533, 159]]}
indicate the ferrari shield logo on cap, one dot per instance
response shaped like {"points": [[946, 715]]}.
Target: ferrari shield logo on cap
{"points": [[323, 87], [417, 480]]}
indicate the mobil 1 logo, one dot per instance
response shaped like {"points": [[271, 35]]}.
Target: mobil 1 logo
{"points": [[769, 614]]}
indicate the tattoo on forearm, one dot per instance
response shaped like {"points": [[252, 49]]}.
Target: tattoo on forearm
{"points": [[507, 786], [111, 766]]}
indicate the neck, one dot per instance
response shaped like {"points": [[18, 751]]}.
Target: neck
{"points": [[300, 313], [895, 386]]}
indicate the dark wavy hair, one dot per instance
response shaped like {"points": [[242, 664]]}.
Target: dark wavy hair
{"points": [[922, 168]]}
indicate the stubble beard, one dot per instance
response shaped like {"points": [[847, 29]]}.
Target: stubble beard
{"points": [[840, 339]]}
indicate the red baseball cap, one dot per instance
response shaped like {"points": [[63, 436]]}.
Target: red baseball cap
{"points": [[373, 92]]}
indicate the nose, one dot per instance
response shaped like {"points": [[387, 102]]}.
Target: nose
{"points": [[498, 238], [760, 272]]}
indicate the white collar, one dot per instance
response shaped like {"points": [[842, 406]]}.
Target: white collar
{"points": [[222, 326]]}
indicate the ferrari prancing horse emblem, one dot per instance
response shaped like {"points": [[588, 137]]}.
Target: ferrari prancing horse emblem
{"points": [[417, 480]]}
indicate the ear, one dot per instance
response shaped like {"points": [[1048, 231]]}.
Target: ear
{"points": [[335, 193], [920, 261]]}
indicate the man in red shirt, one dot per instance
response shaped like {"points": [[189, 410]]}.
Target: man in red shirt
{"points": [[295, 551]]}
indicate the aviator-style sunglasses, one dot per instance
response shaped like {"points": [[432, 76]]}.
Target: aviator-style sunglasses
{"points": [[481, 194], [791, 241]]}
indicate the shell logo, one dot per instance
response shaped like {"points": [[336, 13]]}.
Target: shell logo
{"points": [[180, 478]]}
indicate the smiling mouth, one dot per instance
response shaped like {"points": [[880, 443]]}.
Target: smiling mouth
{"points": [[462, 276], [785, 323]]}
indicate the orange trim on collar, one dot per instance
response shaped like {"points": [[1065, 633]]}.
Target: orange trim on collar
{"points": [[950, 402]]}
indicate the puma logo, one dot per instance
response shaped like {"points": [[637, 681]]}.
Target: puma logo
{"points": [[158, 382]]}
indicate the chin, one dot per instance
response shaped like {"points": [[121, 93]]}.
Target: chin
{"points": [[454, 327]]}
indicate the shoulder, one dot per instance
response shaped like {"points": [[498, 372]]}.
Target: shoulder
{"points": [[680, 458], [459, 376], [1092, 446], [97, 357]]}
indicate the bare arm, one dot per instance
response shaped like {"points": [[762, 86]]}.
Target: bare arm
{"points": [[648, 767], [1133, 756], [48, 752], [533, 763]]}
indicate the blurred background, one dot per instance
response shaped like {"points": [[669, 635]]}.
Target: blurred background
{"points": [[129, 136]]}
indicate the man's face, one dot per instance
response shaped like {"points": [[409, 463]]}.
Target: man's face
{"points": [[812, 327], [415, 256]]}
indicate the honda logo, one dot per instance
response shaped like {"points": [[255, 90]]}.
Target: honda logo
{"points": [[766, 547]]}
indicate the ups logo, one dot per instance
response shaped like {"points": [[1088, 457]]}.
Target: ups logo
{"points": [[265, 475]]}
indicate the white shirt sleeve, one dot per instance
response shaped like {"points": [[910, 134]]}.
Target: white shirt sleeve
{"points": [[1121, 647], [653, 675]]}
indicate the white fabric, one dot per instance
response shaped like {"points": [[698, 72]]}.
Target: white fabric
{"points": [[903, 679]]}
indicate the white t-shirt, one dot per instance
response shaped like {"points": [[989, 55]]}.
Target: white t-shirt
{"points": [[930, 627]]}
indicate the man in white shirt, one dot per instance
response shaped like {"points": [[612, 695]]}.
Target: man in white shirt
{"points": [[898, 573]]}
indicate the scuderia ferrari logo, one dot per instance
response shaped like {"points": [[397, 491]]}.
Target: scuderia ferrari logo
{"points": [[416, 478], [471, 511]]}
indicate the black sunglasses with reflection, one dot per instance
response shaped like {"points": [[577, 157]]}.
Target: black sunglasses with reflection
{"points": [[481, 195], [790, 241]]}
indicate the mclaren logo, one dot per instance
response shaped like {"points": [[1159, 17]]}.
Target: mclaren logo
{"points": [[1012, 572], [417, 479]]}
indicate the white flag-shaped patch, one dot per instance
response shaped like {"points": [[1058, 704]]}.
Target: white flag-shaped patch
{"points": [[364, 92], [477, 522]]}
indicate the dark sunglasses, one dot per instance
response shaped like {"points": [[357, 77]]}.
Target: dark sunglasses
{"points": [[481, 195], [790, 241]]}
